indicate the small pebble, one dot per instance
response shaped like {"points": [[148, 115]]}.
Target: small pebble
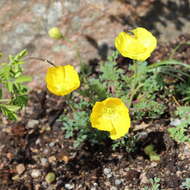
{"points": [[143, 178], [51, 144], [32, 123], [37, 187], [46, 151], [44, 161], [186, 150], [118, 182], [16, 178], [50, 177], [44, 184], [69, 186], [153, 164], [175, 122], [35, 173], [109, 175], [38, 141], [9, 155], [20, 168], [107, 171], [113, 188], [52, 159]]}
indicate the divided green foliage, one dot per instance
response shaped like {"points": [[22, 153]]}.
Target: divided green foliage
{"points": [[138, 89], [142, 87], [127, 142], [154, 184], [186, 184], [76, 124], [184, 90], [12, 82], [179, 133], [143, 97]]}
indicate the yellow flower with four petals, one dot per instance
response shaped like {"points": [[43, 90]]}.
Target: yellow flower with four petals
{"points": [[138, 45], [111, 115], [62, 80]]}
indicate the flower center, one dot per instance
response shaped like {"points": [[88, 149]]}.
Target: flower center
{"points": [[110, 113]]}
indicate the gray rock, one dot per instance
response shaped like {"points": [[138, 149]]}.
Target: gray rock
{"points": [[39, 9], [2, 2], [76, 23], [72, 5], [54, 13], [22, 28], [20, 36]]}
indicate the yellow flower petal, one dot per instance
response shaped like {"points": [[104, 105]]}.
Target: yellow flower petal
{"points": [[62, 80], [111, 115], [145, 38], [138, 46]]}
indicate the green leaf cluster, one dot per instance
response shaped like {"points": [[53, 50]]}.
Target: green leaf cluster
{"points": [[179, 133], [142, 88], [127, 142], [77, 124], [154, 184], [12, 86], [186, 184], [137, 88], [184, 90]]}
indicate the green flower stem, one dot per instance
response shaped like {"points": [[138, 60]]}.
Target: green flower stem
{"points": [[69, 102], [134, 93], [177, 48], [167, 62], [135, 86], [5, 100], [42, 59]]}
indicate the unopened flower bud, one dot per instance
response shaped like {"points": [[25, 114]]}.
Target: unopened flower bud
{"points": [[55, 33]]}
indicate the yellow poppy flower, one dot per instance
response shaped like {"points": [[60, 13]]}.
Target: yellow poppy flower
{"points": [[62, 80], [111, 115], [138, 46]]}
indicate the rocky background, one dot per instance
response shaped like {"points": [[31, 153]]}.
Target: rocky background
{"points": [[90, 25]]}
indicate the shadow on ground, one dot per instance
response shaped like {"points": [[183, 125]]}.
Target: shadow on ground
{"points": [[161, 13]]}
